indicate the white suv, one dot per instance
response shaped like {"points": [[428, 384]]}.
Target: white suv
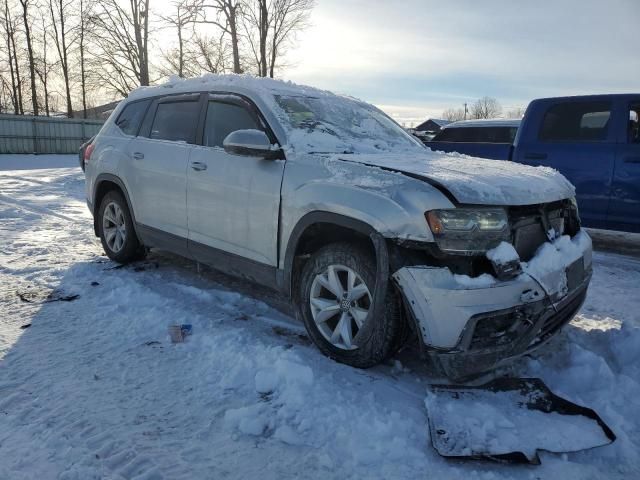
{"points": [[325, 198]]}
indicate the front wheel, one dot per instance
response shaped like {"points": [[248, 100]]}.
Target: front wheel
{"points": [[336, 303], [116, 229]]}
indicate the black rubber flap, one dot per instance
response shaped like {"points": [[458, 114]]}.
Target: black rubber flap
{"points": [[510, 420]]}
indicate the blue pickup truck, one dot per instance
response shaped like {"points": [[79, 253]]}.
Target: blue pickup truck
{"points": [[593, 140]]}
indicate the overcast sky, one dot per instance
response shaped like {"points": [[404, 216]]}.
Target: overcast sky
{"points": [[415, 58]]}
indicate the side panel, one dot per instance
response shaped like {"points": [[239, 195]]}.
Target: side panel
{"points": [[157, 175]]}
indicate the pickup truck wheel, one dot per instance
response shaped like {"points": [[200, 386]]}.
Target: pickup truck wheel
{"points": [[116, 229], [335, 300]]}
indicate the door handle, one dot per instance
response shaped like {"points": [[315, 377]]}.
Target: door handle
{"points": [[535, 156], [631, 159], [198, 166], [138, 155]]}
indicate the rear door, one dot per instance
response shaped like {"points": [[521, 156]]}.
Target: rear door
{"points": [[624, 208], [233, 200], [158, 167], [576, 138]]}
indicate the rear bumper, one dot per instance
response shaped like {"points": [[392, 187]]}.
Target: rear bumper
{"points": [[474, 325]]}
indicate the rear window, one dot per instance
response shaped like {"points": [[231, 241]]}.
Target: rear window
{"points": [[131, 116], [576, 121], [176, 121], [477, 135]]}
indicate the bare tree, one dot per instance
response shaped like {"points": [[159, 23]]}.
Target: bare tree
{"points": [[212, 56], [58, 10], [453, 114], [517, 112], [486, 107], [32, 70], [9, 34], [288, 17], [43, 65], [226, 16], [275, 23], [84, 30], [186, 13], [122, 39]]}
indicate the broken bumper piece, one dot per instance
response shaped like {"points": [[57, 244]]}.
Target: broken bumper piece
{"points": [[474, 324], [508, 420]]}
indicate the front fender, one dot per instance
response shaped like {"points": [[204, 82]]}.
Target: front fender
{"points": [[393, 204]]}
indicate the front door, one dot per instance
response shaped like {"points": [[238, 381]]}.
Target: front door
{"points": [[624, 208], [233, 201], [158, 164], [576, 138]]}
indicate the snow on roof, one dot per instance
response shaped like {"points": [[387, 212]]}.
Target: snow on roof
{"points": [[231, 82], [491, 122]]}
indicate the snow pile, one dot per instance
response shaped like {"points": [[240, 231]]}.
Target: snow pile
{"points": [[95, 389], [552, 257], [503, 254]]}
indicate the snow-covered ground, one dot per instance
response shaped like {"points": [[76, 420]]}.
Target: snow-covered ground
{"points": [[94, 388]]}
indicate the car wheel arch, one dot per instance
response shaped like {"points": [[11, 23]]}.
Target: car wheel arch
{"points": [[333, 226], [105, 183]]}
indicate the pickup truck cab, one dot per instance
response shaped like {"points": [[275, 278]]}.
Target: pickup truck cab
{"points": [[592, 140], [479, 138]]}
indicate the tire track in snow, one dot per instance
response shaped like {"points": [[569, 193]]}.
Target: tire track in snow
{"points": [[38, 209]]}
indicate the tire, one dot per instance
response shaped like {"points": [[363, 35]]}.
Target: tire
{"points": [[374, 336], [127, 246]]}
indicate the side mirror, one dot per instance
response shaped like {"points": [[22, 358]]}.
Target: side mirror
{"points": [[251, 143]]}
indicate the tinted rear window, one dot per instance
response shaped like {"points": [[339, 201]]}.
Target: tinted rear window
{"points": [[576, 121], [131, 116], [176, 121], [477, 134]]}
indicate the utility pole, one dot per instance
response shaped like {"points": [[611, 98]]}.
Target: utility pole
{"points": [[465, 110]]}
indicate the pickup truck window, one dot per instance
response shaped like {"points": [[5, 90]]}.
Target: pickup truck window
{"points": [[576, 121]]}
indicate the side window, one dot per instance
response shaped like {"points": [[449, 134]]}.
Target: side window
{"points": [[175, 121], [224, 118], [576, 121], [634, 124], [131, 116]]}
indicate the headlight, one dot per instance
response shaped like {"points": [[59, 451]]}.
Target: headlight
{"points": [[469, 231]]}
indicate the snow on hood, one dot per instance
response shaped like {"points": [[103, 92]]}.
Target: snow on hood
{"points": [[476, 180]]}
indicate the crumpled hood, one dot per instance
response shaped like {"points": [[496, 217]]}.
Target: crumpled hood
{"points": [[476, 180]]}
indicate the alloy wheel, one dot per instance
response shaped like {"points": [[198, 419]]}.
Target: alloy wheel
{"points": [[114, 227], [340, 302]]}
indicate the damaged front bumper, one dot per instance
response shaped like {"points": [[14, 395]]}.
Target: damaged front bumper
{"points": [[475, 324]]}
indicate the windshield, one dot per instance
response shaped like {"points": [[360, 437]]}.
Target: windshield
{"points": [[333, 124]]}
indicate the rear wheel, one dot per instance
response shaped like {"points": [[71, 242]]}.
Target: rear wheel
{"points": [[336, 302], [117, 233]]}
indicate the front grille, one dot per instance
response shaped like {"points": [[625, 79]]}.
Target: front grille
{"points": [[528, 225], [559, 318]]}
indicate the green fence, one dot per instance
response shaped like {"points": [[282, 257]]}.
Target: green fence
{"points": [[30, 134]]}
